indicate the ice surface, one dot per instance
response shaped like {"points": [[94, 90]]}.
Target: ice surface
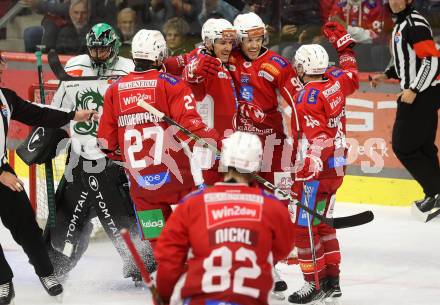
{"points": [[394, 260]]}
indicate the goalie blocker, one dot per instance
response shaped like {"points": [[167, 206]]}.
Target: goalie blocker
{"points": [[41, 145]]}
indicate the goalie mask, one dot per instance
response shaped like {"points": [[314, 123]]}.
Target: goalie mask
{"points": [[103, 45]]}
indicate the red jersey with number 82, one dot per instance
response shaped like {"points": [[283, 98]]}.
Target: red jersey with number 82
{"points": [[229, 235]]}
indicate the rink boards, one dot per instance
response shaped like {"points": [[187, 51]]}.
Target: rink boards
{"points": [[356, 189]]}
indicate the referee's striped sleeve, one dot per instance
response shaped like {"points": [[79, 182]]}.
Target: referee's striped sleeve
{"points": [[426, 74], [424, 48]]}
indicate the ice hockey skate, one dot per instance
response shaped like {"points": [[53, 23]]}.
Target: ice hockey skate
{"points": [[427, 208], [308, 294], [279, 286], [7, 293], [52, 286], [332, 291]]}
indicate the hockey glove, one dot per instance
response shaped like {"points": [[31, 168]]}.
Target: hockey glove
{"points": [[312, 165], [203, 66], [337, 35]]}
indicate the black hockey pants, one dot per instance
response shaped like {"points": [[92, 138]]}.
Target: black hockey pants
{"points": [[18, 217], [414, 135], [95, 188]]}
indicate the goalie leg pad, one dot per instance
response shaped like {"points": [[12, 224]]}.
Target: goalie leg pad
{"points": [[72, 229]]}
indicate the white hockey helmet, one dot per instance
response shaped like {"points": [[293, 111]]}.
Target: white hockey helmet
{"points": [[214, 29], [249, 25], [149, 45], [312, 58], [242, 151]]}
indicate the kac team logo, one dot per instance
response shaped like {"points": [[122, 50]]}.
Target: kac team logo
{"points": [[252, 111]]}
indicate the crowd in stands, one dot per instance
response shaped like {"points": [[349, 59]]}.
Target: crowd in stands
{"points": [[290, 22]]}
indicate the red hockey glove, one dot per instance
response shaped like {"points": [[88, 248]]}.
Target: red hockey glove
{"points": [[312, 165], [338, 36], [204, 66]]}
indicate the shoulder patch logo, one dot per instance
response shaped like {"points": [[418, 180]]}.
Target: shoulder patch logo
{"points": [[279, 60], [312, 97], [170, 79], [271, 69], [336, 72]]}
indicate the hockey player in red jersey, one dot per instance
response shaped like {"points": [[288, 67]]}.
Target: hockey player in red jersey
{"points": [[322, 156], [220, 243], [214, 92], [158, 169], [260, 75]]}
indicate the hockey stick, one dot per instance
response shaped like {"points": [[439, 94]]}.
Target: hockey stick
{"points": [[311, 239], [337, 223], [50, 188], [57, 68], [141, 266]]}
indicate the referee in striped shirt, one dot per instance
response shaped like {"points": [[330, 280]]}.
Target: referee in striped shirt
{"points": [[416, 65], [16, 212]]}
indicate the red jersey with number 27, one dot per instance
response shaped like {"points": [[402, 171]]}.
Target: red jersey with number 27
{"points": [[150, 148]]}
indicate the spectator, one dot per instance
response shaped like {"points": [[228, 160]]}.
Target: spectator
{"points": [[71, 39], [367, 21], [55, 16], [127, 28], [260, 7], [156, 12], [185, 8], [175, 31], [103, 11], [127, 24], [188, 10], [299, 18], [217, 9]]}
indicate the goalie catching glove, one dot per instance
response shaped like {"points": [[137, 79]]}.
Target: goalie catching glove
{"points": [[337, 35], [41, 145]]}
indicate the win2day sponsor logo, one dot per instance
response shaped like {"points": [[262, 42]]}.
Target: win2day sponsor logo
{"points": [[219, 213], [129, 99]]}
